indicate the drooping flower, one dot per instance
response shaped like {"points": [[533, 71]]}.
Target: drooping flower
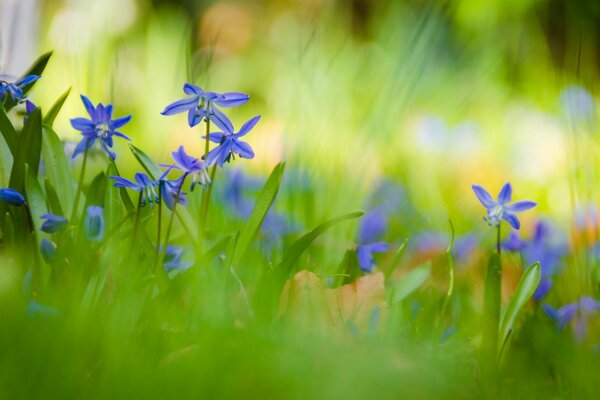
{"points": [[13, 197], [171, 192], [201, 104], [372, 228], [229, 143], [15, 89], [191, 166], [94, 223], [142, 184], [500, 210], [101, 126], [578, 311], [53, 223], [172, 260]]}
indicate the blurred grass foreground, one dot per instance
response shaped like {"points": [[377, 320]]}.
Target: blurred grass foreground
{"points": [[299, 199]]}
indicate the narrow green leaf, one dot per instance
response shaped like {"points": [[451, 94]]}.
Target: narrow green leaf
{"points": [[55, 109], [6, 161], [57, 168], [35, 198], [113, 211], [349, 269], [392, 265], [52, 198], [8, 131], [255, 220], [526, 288], [28, 150], [146, 162], [411, 282]]}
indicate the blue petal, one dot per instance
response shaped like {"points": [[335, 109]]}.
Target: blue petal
{"points": [[119, 122], [483, 196], [82, 124], [247, 127], [511, 219], [125, 183], [215, 137], [83, 145], [364, 258], [521, 206], [89, 106], [119, 134], [232, 99], [180, 106], [188, 88], [243, 149], [221, 121], [505, 194]]}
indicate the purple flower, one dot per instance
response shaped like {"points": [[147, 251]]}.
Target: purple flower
{"points": [[142, 184], [100, 127], [229, 143], [172, 260], [500, 210], [201, 105], [48, 250], [372, 228], [53, 223], [15, 89], [94, 223], [171, 192], [191, 166], [578, 311], [13, 197]]}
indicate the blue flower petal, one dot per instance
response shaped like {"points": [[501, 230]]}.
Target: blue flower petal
{"points": [[483, 196], [505, 194]]}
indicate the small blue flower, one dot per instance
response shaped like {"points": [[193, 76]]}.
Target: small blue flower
{"points": [[171, 192], [142, 184], [53, 223], [48, 250], [229, 143], [13, 197], [15, 90], [94, 223], [191, 166], [201, 105], [500, 210], [578, 311], [372, 228], [101, 126], [172, 260]]}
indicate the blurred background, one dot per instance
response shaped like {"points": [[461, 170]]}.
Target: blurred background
{"points": [[430, 95]]}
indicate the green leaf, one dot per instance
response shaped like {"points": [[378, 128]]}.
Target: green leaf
{"points": [[113, 211], [255, 220], [55, 109], [526, 288], [411, 282], [6, 161], [28, 150], [57, 168], [391, 266], [349, 269], [35, 198], [146, 162], [52, 198], [8, 131]]}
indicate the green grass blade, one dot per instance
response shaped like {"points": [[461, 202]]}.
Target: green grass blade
{"points": [[58, 171], [146, 162], [55, 109], [8, 131], [411, 282], [28, 150]]}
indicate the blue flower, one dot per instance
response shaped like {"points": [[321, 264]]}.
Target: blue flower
{"points": [[142, 184], [13, 197], [191, 166], [100, 127], [48, 250], [15, 90], [501, 210], [94, 223], [578, 311], [172, 260], [229, 143], [372, 228], [171, 192], [53, 223], [201, 105]]}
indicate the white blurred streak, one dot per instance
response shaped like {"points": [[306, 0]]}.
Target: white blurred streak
{"points": [[19, 20]]}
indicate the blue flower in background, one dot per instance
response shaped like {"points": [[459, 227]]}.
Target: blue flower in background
{"points": [[94, 223], [539, 249], [201, 105], [13, 197], [142, 184], [233, 192], [372, 228], [578, 311], [101, 126], [500, 210], [577, 103], [191, 166], [229, 143], [53, 223], [15, 89], [172, 260], [48, 250]]}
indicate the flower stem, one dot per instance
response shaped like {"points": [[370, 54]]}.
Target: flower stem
{"points": [[158, 228], [137, 216], [79, 186], [170, 225], [492, 303], [206, 195]]}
